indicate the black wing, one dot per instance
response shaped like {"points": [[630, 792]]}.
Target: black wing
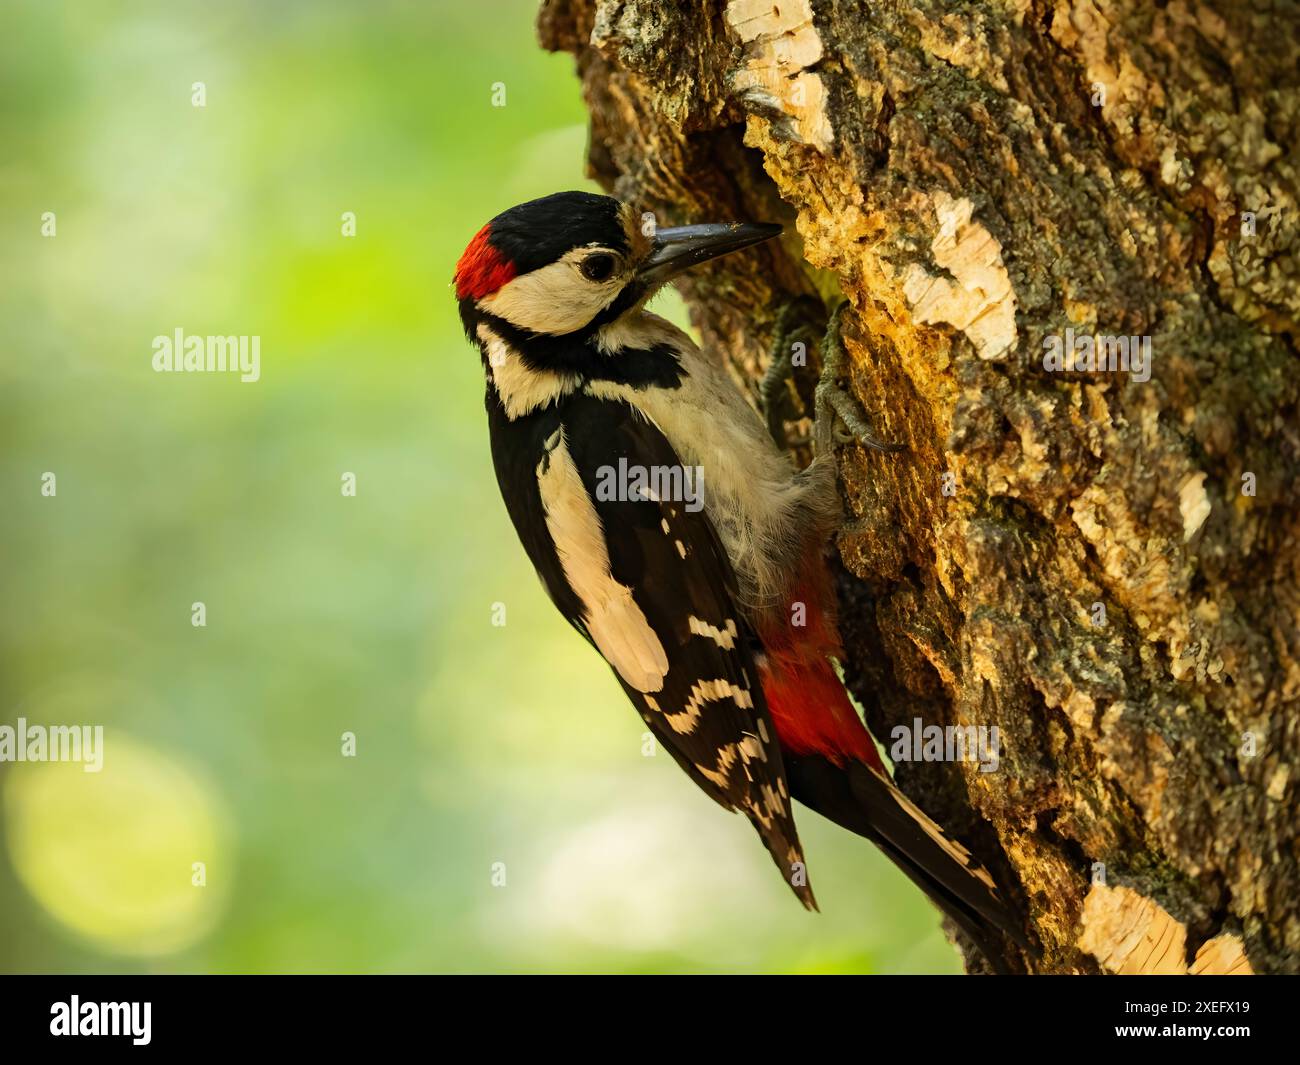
{"points": [[679, 644]]}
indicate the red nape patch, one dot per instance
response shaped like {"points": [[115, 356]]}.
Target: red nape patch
{"points": [[482, 269]]}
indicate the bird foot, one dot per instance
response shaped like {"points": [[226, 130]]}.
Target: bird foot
{"points": [[840, 419], [795, 333]]}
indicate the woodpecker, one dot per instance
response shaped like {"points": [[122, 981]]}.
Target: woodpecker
{"points": [[718, 620]]}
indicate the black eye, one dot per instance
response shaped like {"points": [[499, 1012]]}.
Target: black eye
{"points": [[597, 267]]}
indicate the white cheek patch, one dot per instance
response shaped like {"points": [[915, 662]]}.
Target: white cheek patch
{"points": [[554, 299], [615, 623]]}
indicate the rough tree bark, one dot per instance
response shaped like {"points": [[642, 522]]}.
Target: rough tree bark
{"points": [[1111, 574]]}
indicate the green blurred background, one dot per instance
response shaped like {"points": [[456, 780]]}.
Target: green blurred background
{"points": [[476, 744]]}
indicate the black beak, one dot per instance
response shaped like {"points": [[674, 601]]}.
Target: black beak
{"points": [[682, 247]]}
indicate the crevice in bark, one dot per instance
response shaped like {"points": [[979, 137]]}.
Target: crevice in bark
{"points": [[940, 167]]}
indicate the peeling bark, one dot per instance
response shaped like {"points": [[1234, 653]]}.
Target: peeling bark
{"points": [[1101, 580], [1130, 935]]}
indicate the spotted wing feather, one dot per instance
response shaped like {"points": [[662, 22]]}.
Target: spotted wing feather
{"points": [[701, 697]]}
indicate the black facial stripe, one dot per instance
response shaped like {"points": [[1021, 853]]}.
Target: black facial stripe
{"points": [[540, 232], [469, 317], [575, 353], [626, 299]]}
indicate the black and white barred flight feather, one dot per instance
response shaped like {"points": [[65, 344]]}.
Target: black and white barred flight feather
{"points": [[648, 583]]}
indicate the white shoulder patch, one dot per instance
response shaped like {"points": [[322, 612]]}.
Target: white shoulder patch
{"points": [[616, 624]]}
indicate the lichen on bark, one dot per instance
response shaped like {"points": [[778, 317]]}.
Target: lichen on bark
{"points": [[1105, 567]]}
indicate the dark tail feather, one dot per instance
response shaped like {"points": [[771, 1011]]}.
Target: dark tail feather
{"points": [[866, 802]]}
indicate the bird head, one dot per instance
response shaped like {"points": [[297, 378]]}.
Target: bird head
{"points": [[572, 262]]}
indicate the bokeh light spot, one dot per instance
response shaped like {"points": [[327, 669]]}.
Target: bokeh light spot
{"points": [[110, 854]]}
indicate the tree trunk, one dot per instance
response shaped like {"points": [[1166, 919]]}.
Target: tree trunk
{"points": [[1103, 563]]}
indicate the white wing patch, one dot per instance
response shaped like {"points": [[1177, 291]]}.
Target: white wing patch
{"points": [[615, 623]]}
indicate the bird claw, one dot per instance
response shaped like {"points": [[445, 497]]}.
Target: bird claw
{"points": [[777, 397], [840, 418]]}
